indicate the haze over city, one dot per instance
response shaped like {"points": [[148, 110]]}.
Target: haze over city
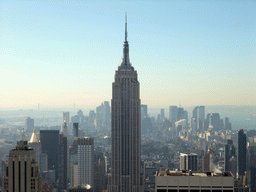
{"points": [[58, 54]]}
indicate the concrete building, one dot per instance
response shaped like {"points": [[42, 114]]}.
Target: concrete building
{"points": [[22, 173], [188, 161], [85, 158], [29, 125], [189, 181], [126, 128]]}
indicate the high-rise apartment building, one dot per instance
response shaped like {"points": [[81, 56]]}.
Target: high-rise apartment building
{"points": [[22, 173], [85, 158], [126, 128], [188, 161], [241, 152], [29, 125]]}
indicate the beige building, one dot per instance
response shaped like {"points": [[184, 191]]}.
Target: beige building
{"points": [[190, 181], [21, 173]]}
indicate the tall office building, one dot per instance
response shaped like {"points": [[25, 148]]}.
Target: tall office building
{"points": [[41, 158], [162, 114], [126, 128], [62, 162], [173, 114], [65, 128], [29, 125], [50, 146], [252, 166], [106, 114], [85, 158], [241, 152], [75, 129], [73, 163], [22, 172], [230, 152], [144, 111], [228, 125], [214, 121], [182, 114], [188, 161], [66, 116], [199, 114]]}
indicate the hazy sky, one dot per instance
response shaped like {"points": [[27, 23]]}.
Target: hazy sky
{"points": [[58, 53]]}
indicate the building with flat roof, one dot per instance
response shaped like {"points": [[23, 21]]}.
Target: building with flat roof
{"points": [[194, 181], [188, 161]]}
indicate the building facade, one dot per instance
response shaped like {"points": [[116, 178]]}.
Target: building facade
{"points": [[189, 181], [126, 128], [22, 173], [29, 125], [85, 154], [241, 153], [188, 161]]}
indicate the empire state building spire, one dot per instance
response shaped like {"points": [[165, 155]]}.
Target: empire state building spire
{"points": [[125, 128], [126, 60]]}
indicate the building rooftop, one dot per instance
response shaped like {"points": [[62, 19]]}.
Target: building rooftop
{"points": [[167, 172], [34, 138]]}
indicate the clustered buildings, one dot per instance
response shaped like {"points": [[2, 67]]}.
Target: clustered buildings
{"points": [[123, 149]]}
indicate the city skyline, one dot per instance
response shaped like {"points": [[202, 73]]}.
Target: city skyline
{"points": [[196, 53]]}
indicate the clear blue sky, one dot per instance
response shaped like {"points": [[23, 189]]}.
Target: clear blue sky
{"points": [[58, 53]]}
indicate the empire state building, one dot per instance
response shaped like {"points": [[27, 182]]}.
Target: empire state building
{"points": [[126, 128]]}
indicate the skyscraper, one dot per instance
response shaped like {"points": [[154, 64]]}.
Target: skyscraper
{"points": [[188, 161], [66, 116], [230, 152], [252, 166], [126, 128], [162, 114], [29, 125], [22, 172], [144, 111], [173, 114], [85, 150], [75, 129], [241, 152]]}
